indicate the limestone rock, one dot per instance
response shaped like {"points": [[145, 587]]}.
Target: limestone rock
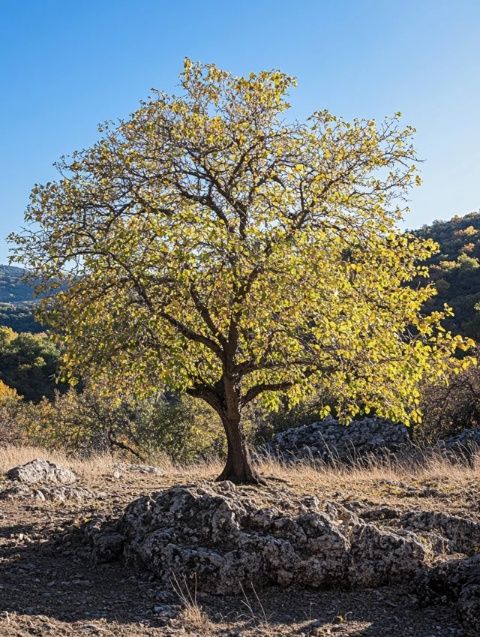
{"points": [[463, 534], [329, 441], [381, 557], [106, 541], [463, 445], [217, 533], [457, 581], [41, 471]]}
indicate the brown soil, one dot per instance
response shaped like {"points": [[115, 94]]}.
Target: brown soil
{"points": [[49, 586]]}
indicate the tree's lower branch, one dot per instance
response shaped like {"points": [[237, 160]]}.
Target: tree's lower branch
{"points": [[208, 394], [254, 391]]}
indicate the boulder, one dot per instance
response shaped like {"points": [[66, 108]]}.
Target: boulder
{"points": [[330, 441], [463, 445], [462, 534], [41, 471]]}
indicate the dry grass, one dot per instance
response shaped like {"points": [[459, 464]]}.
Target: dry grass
{"points": [[192, 617], [13, 455], [434, 469], [303, 477]]}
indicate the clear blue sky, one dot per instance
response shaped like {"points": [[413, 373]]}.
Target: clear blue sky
{"points": [[67, 65]]}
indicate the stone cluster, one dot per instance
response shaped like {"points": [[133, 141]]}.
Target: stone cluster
{"points": [[226, 541], [43, 480], [330, 441]]}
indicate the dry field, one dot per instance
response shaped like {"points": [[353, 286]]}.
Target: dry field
{"points": [[49, 586]]}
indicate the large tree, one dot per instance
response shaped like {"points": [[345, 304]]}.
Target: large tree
{"points": [[212, 245]]}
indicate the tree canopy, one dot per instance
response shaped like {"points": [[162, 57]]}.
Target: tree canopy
{"points": [[212, 245]]}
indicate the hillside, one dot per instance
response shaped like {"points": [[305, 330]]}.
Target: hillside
{"points": [[456, 270], [16, 301], [12, 287]]}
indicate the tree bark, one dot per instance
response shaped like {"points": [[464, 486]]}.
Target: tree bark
{"points": [[238, 467]]}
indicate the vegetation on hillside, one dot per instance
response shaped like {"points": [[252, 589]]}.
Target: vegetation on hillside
{"points": [[13, 289], [17, 301], [20, 317], [28, 364], [455, 270]]}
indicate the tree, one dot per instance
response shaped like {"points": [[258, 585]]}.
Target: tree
{"points": [[213, 246]]}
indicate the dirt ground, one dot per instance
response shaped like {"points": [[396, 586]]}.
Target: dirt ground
{"points": [[49, 586]]}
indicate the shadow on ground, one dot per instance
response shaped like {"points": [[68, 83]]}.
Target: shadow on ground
{"points": [[52, 577]]}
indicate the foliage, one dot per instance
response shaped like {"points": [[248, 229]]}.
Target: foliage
{"points": [[28, 363], [7, 393], [455, 270], [212, 246], [91, 421], [9, 400]]}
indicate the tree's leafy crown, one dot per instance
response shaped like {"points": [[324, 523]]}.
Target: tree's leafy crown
{"points": [[209, 236]]}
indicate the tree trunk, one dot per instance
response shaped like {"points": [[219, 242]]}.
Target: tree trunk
{"points": [[238, 468]]}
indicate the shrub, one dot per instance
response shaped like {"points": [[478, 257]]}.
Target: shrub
{"points": [[9, 400], [95, 421]]}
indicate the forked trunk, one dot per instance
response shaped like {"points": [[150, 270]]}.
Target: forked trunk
{"points": [[238, 468]]}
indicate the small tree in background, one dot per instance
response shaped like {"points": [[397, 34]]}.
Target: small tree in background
{"points": [[212, 246]]}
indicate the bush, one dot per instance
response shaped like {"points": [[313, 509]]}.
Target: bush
{"points": [[9, 399], [93, 421]]}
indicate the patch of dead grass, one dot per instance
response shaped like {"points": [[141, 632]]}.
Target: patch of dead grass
{"points": [[302, 477]]}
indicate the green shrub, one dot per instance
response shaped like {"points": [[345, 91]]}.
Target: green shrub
{"points": [[29, 364], [94, 421]]}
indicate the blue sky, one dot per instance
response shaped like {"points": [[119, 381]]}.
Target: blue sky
{"points": [[67, 65]]}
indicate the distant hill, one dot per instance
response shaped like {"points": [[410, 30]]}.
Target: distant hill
{"points": [[12, 288], [16, 301], [456, 270]]}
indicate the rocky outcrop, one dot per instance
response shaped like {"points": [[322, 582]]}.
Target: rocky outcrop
{"points": [[463, 445], [228, 542], [462, 534], [329, 441], [227, 538], [41, 471]]}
